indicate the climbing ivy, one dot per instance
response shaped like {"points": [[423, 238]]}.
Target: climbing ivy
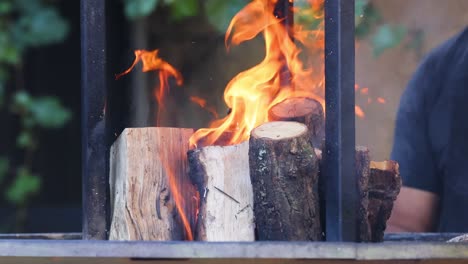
{"points": [[25, 24]]}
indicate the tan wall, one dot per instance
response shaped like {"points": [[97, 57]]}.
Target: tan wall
{"points": [[388, 75]]}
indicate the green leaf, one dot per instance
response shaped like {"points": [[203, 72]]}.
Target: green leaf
{"points": [[9, 53], [5, 7], [4, 167], [387, 37], [49, 113], [359, 9], [181, 9], [44, 26], [139, 8], [22, 99], [25, 140], [23, 187], [368, 20], [220, 12]]}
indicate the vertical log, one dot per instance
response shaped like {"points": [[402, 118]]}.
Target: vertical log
{"points": [[284, 174], [222, 176], [384, 187], [145, 165], [303, 110]]}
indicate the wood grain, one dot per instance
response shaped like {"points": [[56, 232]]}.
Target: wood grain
{"points": [[222, 176], [142, 163]]}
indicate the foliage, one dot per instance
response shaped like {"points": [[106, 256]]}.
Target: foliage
{"points": [[369, 22], [26, 24], [383, 36], [24, 186], [220, 13], [179, 9]]}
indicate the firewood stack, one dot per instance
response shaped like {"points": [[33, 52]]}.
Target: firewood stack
{"points": [[267, 188]]}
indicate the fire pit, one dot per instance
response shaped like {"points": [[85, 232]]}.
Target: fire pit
{"points": [[341, 166]]}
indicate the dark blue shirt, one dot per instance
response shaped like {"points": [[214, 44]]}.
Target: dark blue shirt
{"points": [[431, 133]]}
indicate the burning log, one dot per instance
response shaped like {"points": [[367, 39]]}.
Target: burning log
{"points": [[303, 110], [384, 186], [221, 174], [148, 170], [284, 173]]}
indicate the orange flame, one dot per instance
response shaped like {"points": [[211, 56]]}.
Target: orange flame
{"points": [[253, 92], [152, 62], [381, 100], [365, 91], [178, 198], [202, 103], [359, 111]]}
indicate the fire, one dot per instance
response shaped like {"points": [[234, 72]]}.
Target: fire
{"points": [[381, 100], [253, 92], [359, 112], [202, 103], [152, 62]]}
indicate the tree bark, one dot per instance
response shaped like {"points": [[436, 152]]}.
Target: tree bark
{"points": [[362, 172], [384, 187], [303, 110], [148, 173], [284, 174], [222, 177]]}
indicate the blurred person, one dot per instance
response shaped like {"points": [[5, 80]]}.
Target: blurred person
{"points": [[431, 143]]}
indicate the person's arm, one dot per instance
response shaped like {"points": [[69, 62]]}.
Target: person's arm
{"points": [[415, 209]]}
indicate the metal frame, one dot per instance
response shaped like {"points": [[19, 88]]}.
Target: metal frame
{"points": [[187, 251], [341, 185], [93, 100], [339, 169]]}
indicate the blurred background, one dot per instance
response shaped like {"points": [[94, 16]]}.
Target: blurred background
{"points": [[40, 140]]}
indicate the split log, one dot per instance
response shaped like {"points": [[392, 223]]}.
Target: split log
{"points": [[384, 187], [303, 110], [148, 171], [284, 174], [221, 174]]}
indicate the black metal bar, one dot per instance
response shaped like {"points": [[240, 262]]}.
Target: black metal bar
{"points": [[93, 94], [341, 181]]}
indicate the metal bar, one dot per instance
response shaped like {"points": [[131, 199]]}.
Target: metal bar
{"points": [[93, 94], [284, 10], [254, 251], [341, 181], [43, 236]]}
